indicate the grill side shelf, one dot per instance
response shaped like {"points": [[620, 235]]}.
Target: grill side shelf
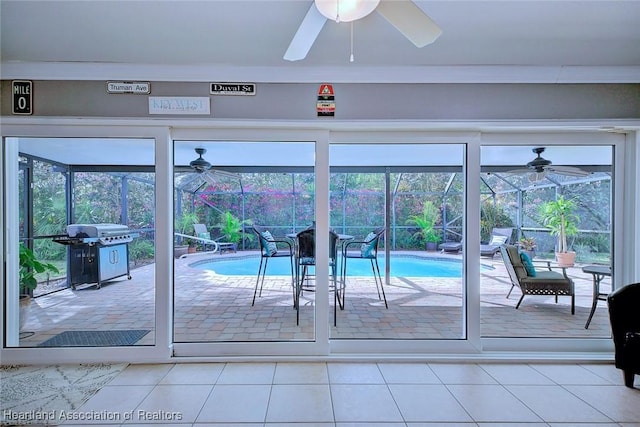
{"points": [[66, 240]]}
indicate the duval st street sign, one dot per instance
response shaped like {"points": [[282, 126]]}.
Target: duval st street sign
{"points": [[242, 89]]}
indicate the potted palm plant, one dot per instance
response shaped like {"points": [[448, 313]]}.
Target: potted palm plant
{"points": [[29, 267], [559, 216], [426, 223], [232, 229]]}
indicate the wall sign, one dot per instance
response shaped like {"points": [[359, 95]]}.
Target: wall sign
{"points": [[242, 89], [138, 88], [22, 93], [326, 104], [179, 105]]}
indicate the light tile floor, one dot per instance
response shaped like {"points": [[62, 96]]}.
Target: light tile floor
{"points": [[367, 394]]}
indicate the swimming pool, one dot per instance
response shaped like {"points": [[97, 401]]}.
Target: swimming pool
{"points": [[401, 265]]}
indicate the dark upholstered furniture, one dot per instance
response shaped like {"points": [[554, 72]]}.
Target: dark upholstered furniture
{"points": [[453, 247], [545, 282], [624, 315], [499, 237]]}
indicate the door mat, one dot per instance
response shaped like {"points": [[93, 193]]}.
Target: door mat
{"points": [[39, 395], [95, 338]]}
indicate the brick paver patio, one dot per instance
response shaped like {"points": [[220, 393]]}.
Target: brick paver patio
{"points": [[211, 307]]}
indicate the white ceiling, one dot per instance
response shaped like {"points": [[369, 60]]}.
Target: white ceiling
{"points": [[238, 40]]}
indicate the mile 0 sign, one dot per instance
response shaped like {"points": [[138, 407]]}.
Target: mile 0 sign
{"points": [[22, 93]]}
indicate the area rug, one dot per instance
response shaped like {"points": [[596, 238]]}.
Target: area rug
{"points": [[42, 395], [95, 338]]}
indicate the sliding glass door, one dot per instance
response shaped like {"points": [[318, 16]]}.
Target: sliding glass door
{"points": [[408, 283], [85, 250], [562, 207], [238, 207]]}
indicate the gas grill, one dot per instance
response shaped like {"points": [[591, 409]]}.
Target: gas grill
{"points": [[97, 252]]}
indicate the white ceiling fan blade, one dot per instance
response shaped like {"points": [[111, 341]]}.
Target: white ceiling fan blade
{"points": [[567, 170], [214, 176], [518, 171], [410, 20], [306, 35], [224, 174]]}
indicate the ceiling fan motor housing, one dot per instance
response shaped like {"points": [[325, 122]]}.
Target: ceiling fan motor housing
{"points": [[200, 164], [539, 163]]}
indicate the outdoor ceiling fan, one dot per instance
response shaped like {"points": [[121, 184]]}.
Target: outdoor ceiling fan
{"points": [[202, 166], [539, 167], [408, 18]]}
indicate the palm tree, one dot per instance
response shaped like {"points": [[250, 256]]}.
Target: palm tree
{"points": [[426, 223], [558, 215]]}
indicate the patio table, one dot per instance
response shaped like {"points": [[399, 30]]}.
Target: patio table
{"points": [[599, 272], [342, 238]]}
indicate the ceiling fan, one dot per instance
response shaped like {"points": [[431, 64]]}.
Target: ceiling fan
{"points": [[202, 166], [539, 167], [408, 18]]}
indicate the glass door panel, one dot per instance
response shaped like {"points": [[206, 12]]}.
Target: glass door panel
{"points": [[399, 203], [236, 221], [86, 234], [515, 198]]}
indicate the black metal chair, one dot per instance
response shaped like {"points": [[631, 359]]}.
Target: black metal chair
{"points": [[269, 249], [366, 249], [624, 315], [306, 257]]}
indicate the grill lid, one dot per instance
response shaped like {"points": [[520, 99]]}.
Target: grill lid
{"points": [[96, 230]]}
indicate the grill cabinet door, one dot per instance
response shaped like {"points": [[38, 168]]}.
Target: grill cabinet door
{"points": [[113, 261]]}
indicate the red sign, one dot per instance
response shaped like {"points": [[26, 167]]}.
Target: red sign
{"points": [[325, 90], [326, 104]]}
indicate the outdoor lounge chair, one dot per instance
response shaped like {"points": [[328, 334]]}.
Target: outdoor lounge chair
{"points": [[499, 237], [202, 233], [544, 282], [208, 244], [625, 326], [453, 247]]}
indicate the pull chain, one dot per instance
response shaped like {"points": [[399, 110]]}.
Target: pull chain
{"points": [[351, 57]]}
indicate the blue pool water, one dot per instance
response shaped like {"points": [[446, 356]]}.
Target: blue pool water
{"points": [[405, 266]]}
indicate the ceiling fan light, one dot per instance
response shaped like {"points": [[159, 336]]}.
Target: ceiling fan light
{"points": [[200, 165], [346, 10], [536, 177]]}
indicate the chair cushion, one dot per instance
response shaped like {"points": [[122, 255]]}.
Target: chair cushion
{"points": [[206, 235], [268, 244], [528, 264], [307, 260], [366, 249], [516, 262], [497, 240], [546, 277]]}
